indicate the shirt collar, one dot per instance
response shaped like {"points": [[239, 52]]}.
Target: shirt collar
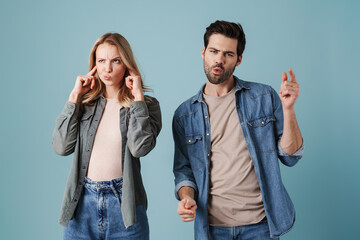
{"points": [[239, 84]]}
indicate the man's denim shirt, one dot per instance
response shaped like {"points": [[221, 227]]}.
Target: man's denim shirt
{"points": [[261, 119]]}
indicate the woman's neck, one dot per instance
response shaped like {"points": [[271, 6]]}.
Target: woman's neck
{"points": [[111, 92]]}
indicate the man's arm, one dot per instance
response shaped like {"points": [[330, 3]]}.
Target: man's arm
{"points": [[185, 187], [187, 205], [291, 139]]}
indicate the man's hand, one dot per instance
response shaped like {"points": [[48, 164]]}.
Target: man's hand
{"points": [[289, 90], [186, 209]]}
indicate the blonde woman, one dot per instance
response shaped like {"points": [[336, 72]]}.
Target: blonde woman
{"points": [[108, 123]]}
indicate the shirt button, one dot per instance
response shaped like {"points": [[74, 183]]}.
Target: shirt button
{"points": [[75, 200], [189, 141], [262, 123], [208, 154], [99, 185], [84, 167], [207, 134], [205, 116]]}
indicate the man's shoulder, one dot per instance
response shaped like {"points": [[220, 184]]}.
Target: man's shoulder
{"points": [[187, 106], [254, 87]]}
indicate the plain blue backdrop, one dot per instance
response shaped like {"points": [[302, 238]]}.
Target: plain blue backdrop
{"points": [[44, 45]]}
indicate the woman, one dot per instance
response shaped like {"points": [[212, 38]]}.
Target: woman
{"points": [[108, 124]]}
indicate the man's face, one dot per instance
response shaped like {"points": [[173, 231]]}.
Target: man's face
{"points": [[220, 58]]}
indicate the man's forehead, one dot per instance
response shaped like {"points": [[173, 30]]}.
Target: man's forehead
{"points": [[223, 43]]}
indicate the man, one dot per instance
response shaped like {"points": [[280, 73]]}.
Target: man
{"points": [[228, 139]]}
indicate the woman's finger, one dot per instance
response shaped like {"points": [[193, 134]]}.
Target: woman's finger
{"points": [[92, 72]]}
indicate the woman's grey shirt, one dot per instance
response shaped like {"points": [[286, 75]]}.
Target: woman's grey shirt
{"points": [[75, 132]]}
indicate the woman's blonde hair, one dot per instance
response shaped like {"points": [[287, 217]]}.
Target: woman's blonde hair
{"points": [[127, 57]]}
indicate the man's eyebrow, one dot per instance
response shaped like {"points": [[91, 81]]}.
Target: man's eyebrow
{"points": [[212, 48]]}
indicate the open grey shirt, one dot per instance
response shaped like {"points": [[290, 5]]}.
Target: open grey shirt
{"points": [[75, 132]]}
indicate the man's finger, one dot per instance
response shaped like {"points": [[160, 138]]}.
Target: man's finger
{"points": [[188, 204], [92, 72], [284, 77], [292, 76], [185, 212]]}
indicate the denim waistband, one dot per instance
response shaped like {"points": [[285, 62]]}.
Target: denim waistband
{"points": [[104, 185]]}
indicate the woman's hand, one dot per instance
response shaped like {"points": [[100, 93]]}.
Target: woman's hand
{"points": [[134, 83], [83, 84]]}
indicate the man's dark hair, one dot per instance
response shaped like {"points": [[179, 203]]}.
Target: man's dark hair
{"points": [[228, 29]]}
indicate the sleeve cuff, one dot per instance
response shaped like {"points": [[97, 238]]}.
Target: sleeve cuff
{"points": [[298, 153], [139, 108], [71, 108], [185, 183]]}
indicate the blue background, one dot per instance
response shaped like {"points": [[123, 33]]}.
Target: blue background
{"points": [[44, 45]]}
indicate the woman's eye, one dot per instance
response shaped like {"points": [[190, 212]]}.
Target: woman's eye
{"points": [[101, 60], [117, 61]]}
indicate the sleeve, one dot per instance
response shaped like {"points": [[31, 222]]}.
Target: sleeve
{"points": [[66, 129], [182, 169], [144, 126], [288, 160]]}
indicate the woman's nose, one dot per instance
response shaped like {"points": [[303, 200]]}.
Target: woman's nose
{"points": [[108, 67]]}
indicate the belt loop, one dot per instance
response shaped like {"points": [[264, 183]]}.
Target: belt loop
{"points": [[113, 188]]}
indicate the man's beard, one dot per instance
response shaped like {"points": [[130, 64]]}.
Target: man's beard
{"points": [[225, 75]]}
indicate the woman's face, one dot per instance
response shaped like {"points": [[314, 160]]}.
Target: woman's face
{"points": [[110, 68]]}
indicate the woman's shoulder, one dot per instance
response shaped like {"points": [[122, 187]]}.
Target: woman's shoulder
{"points": [[150, 100]]}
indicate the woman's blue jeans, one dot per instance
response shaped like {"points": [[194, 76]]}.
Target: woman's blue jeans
{"points": [[98, 214]]}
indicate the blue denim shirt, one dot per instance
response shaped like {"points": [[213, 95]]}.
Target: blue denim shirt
{"points": [[260, 116]]}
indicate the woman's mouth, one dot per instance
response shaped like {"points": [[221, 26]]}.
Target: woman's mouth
{"points": [[107, 77]]}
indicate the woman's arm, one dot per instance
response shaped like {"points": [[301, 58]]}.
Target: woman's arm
{"points": [[144, 126], [66, 128]]}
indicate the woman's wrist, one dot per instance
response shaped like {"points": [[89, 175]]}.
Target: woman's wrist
{"points": [[74, 97], [139, 97]]}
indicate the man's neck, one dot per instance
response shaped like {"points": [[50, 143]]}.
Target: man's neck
{"points": [[218, 90]]}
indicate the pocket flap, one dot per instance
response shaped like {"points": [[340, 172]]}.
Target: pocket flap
{"points": [[261, 121], [191, 139], [86, 116]]}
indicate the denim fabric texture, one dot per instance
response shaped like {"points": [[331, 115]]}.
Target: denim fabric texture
{"points": [[98, 214], [258, 231], [260, 116]]}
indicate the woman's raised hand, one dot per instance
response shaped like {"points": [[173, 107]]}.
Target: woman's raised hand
{"points": [[83, 84], [134, 83]]}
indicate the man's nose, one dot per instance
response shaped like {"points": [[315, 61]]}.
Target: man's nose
{"points": [[220, 59]]}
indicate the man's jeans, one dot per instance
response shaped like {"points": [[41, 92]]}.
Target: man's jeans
{"points": [[98, 214], [259, 231]]}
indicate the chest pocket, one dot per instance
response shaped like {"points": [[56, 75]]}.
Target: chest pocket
{"points": [[84, 122], [263, 133], [195, 145]]}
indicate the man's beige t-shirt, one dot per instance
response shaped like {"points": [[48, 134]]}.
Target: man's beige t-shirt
{"points": [[234, 198]]}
